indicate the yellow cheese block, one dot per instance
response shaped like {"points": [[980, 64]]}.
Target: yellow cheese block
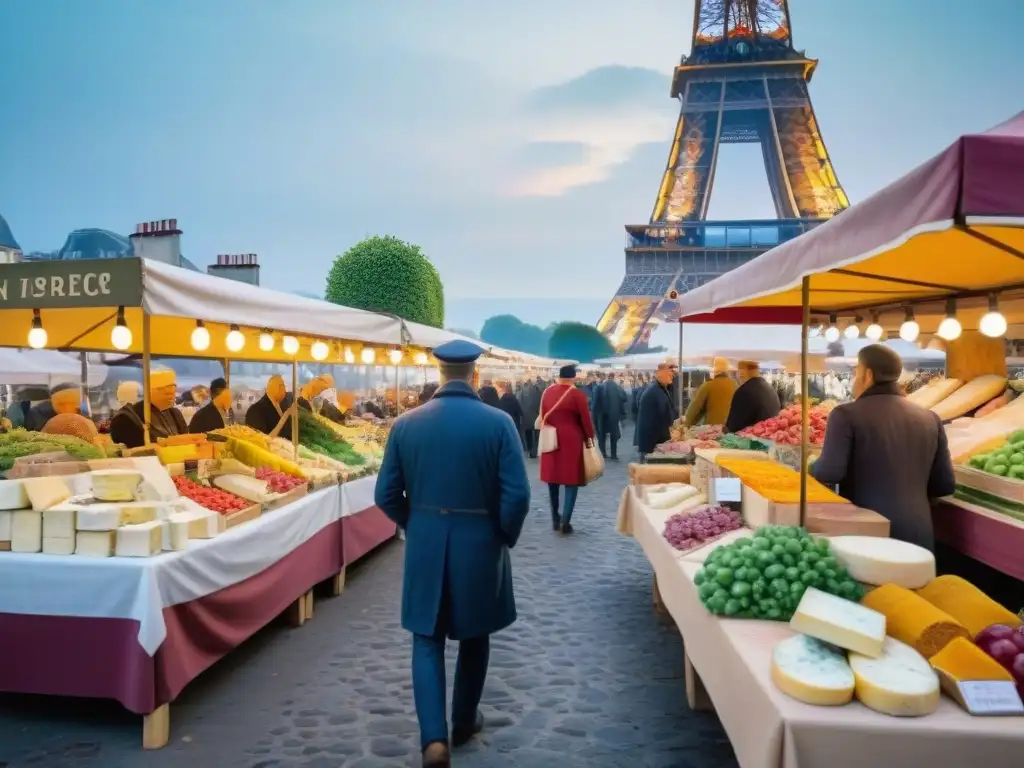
{"points": [[934, 392], [900, 682], [46, 492], [962, 661], [973, 394], [813, 672]]}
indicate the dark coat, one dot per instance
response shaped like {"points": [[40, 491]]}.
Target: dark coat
{"points": [[207, 419], [489, 395], [753, 401], [126, 425], [572, 422], [610, 408], [888, 455], [454, 478], [529, 397], [263, 417], [39, 415], [657, 412], [511, 406]]}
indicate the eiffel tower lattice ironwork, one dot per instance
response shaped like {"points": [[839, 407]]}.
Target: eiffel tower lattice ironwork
{"points": [[743, 81]]}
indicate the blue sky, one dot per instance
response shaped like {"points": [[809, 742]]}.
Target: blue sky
{"points": [[512, 140]]}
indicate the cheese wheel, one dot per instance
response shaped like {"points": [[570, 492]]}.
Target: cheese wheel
{"points": [[900, 682], [811, 671], [840, 622], [876, 561], [12, 495]]}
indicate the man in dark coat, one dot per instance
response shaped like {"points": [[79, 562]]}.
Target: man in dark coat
{"points": [[609, 412], [657, 412], [265, 413], [529, 398], [127, 425], [212, 415], [454, 479], [489, 394], [887, 454], [753, 401], [508, 403]]}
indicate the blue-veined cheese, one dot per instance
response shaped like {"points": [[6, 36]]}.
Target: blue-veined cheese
{"points": [[840, 622], [900, 682], [811, 671]]}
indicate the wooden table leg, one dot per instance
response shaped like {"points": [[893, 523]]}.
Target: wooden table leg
{"points": [[696, 695], [296, 613], [338, 583], [156, 728], [657, 602], [309, 605]]}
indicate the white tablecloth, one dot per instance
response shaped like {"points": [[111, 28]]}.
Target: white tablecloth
{"points": [[357, 495], [140, 588]]}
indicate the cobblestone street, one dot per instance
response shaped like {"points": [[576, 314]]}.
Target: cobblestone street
{"points": [[588, 676]]}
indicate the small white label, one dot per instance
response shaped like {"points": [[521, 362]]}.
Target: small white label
{"points": [[728, 490], [991, 697]]}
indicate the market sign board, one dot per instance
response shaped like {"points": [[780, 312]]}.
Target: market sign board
{"points": [[71, 284]]}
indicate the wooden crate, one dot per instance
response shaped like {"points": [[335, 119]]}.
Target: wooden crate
{"points": [[706, 468], [1003, 487], [758, 511], [286, 498], [243, 516], [845, 520]]}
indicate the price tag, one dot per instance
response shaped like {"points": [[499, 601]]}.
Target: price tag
{"points": [[991, 697], [728, 490]]}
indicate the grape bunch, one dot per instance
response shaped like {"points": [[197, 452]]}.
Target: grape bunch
{"points": [[686, 531]]}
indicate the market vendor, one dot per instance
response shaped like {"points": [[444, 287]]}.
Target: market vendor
{"points": [[712, 399], [884, 452], [127, 426], [64, 398], [329, 402], [265, 413], [312, 389], [213, 415], [754, 400]]}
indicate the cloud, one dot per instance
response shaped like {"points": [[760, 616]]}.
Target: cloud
{"points": [[603, 88]]}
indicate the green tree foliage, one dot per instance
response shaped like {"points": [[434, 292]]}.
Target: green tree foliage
{"points": [[579, 341], [385, 274], [510, 332]]}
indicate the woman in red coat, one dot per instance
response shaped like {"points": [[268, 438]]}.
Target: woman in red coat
{"points": [[567, 410]]}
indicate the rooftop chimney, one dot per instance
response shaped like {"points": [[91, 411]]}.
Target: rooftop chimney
{"points": [[243, 267], [158, 241]]}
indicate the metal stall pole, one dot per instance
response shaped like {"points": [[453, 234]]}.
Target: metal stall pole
{"points": [[805, 408], [679, 388], [83, 394], [147, 402]]}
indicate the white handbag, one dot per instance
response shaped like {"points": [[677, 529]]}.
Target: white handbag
{"points": [[547, 440]]}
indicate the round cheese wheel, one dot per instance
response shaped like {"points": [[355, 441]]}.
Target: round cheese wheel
{"points": [[874, 560], [813, 672], [900, 682]]}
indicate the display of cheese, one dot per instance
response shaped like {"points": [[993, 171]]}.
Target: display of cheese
{"points": [[182, 526], [670, 497], [58, 545], [140, 540], [971, 395], [95, 543], [899, 682], [934, 392], [59, 523], [5, 525], [107, 517], [243, 486], [967, 604], [840, 622], [987, 433], [115, 484], [26, 531], [12, 495], [46, 492], [913, 620], [962, 661], [873, 560], [811, 671], [995, 404]]}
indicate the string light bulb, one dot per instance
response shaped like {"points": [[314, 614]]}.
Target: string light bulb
{"points": [[37, 336], [910, 330], [121, 334], [832, 332], [200, 337], [350, 356], [235, 340], [420, 358], [319, 350], [949, 329], [368, 356], [993, 324], [853, 329], [290, 345], [874, 332], [266, 341], [395, 356]]}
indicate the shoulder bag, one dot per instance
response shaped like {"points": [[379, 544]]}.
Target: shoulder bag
{"points": [[547, 441]]}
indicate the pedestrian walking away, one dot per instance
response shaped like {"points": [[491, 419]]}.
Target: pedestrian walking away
{"points": [[567, 410], [529, 397], [610, 411], [454, 479]]}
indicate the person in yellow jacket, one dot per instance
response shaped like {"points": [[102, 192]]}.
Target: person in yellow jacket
{"points": [[713, 398]]}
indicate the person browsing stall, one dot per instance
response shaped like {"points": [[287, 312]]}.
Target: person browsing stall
{"points": [[213, 415], [885, 453], [754, 400], [657, 412], [454, 480], [711, 401]]}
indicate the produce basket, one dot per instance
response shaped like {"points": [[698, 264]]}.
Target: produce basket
{"points": [[243, 516], [284, 499], [1007, 488]]}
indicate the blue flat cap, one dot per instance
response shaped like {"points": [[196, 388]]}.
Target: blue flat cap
{"points": [[458, 351]]}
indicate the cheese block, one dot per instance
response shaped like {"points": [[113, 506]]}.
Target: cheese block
{"points": [[973, 394], [182, 526], [132, 514], [845, 520], [670, 497], [701, 554], [59, 523], [900, 682], [962, 661], [58, 545], [840, 622], [934, 392], [811, 671], [46, 492], [5, 525], [26, 531], [141, 540], [12, 495], [248, 488], [95, 543], [876, 561], [107, 517], [115, 484]]}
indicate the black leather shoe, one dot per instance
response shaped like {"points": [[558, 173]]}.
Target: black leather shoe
{"points": [[461, 734], [436, 755], [556, 522], [566, 529]]}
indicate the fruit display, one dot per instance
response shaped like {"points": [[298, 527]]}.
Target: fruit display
{"points": [[765, 576], [737, 443], [19, 443], [707, 432], [73, 424], [321, 438], [785, 428], [777, 483], [278, 482], [253, 456], [1005, 645], [1006, 461], [242, 432], [214, 499], [689, 530]]}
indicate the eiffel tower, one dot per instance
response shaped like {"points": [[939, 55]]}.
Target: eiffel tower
{"points": [[742, 82]]}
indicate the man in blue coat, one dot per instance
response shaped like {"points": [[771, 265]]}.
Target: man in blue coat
{"points": [[454, 480]]}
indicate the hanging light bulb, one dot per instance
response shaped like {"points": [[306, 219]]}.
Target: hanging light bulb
{"points": [[121, 335], [395, 356], [200, 337], [874, 332], [37, 337], [853, 329], [266, 341], [949, 328], [420, 358], [993, 324], [368, 356], [290, 345], [832, 332], [910, 330], [350, 356], [319, 350], [235, 339]]}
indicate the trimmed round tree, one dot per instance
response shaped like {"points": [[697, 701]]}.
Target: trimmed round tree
{"points": [[579, 341], [385, 274]]}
